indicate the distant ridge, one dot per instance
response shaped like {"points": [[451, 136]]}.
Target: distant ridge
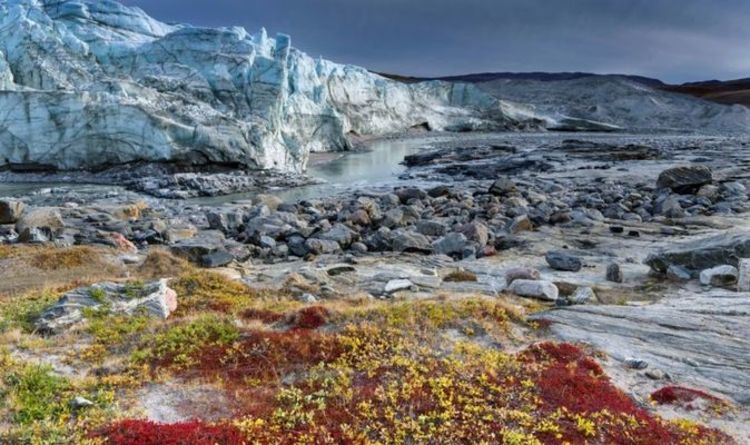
{"points": [[727, 92], [536, 75]]}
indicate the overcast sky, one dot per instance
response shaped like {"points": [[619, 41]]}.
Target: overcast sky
{"points": [[675, 40]]}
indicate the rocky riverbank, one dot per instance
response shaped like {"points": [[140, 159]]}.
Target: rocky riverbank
{"points": [[633, 244]]}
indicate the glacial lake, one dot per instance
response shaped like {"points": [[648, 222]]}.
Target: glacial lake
{"points": [[377, 166]]}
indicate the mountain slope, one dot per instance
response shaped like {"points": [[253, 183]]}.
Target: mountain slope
{"points": [[622, 102]]}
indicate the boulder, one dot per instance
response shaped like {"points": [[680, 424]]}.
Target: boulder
{"points": [[503, 186], [521, 273], [476, 232], [582, 295], [204, 243], [743, 279], [340, 234], [45, 218], [229, 221], [696, 256], [685, 179], [397, 285], [543, 290], [519, 224], [614, 273], [407, 194], [10, 210], [220, 258], [451, 244], [319, 246], [563, 261], [431, 228], [678, 273], [403, 240], [719, 276], [156, 299]]}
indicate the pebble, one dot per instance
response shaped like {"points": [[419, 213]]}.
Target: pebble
{"points": [[563, 261], [397, 285], [636, 363], [614, 273], [543, 290]]}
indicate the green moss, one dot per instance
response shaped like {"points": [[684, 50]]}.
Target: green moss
{"points": [[134, 289], [21, 312], [179, 343], [112, 330], [37, 395], [98, 294], [36, 403], [430, 315]]}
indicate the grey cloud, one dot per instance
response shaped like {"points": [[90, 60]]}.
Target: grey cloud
{"points": [[677, 40]]}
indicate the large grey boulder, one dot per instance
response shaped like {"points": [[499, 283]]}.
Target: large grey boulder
{"points": [[702, 254], [563, 261], [10, 210], [39, 224], [451, 244], [542, 290], [720, 276], [685, 179], [156, 299]]}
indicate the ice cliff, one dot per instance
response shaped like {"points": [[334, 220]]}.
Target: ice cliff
{"points": [[91, 83]]}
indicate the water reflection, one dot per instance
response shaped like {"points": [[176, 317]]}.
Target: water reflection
{"points": [[379, 166]]}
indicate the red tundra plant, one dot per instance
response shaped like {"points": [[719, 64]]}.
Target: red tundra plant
{"points": [[688, 398], [311, 317], [144, 432]]}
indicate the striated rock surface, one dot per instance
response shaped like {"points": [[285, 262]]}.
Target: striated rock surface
{"points": [[88, 83], [155, 299], [701, 339], [695, 256]]}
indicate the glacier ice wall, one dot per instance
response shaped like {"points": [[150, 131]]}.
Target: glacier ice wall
{"points": [[90, 83]]}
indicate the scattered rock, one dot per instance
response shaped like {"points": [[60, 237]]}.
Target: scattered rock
{"points": [[678, 273], [582, 295], [397, 285], [520, 224], [503, 186], [43, 218], [703, 254], [216, 259], [656, 374], [340, 269], [543, 290], [685, 179], [10, 210], [80, 403], [322, 246], [719, 276], [122, 244], [743, 280], [451, 244], [431, 228], [521, 273], [636, 363], [563, 261], [614, 273], [476, 232]]}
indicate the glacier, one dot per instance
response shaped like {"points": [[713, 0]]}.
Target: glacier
{"points": [[94, 83]]}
